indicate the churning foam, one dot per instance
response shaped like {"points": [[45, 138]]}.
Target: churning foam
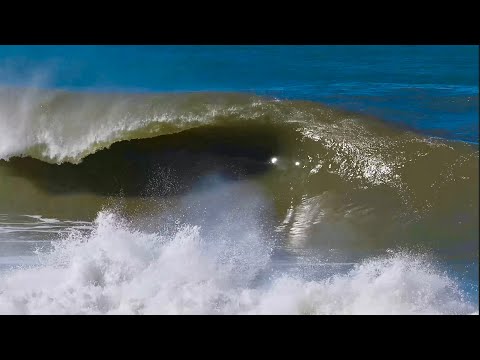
{"points": [[119, 270]]}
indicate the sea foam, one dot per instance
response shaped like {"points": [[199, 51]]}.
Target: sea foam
{"points": [[116, 269]]}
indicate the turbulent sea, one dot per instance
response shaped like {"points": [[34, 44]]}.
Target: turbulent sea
{"points": [[240, 201]]}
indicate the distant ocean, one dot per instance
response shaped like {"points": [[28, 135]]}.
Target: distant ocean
{"points": [[239, 179]]}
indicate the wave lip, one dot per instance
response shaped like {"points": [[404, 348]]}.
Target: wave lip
{"points": [[59, 126]]}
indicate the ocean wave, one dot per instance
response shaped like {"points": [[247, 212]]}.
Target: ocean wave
{"points": [[327, 171], [61, 127]]}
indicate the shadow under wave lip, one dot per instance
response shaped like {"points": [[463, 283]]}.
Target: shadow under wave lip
{"points": [[170, 163]]}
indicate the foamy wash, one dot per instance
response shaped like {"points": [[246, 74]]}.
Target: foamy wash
{"points": [[229, 203]]}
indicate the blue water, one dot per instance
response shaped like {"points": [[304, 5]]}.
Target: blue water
{"points": [[433, 89]]}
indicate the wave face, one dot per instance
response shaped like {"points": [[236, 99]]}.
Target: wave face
{"points": [[345, 186]]}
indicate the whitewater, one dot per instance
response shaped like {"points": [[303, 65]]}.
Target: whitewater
{"points": [[229, 262], [117, 270]]}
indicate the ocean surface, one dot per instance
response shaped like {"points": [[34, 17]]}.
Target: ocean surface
{"points": [[239, 179]]}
